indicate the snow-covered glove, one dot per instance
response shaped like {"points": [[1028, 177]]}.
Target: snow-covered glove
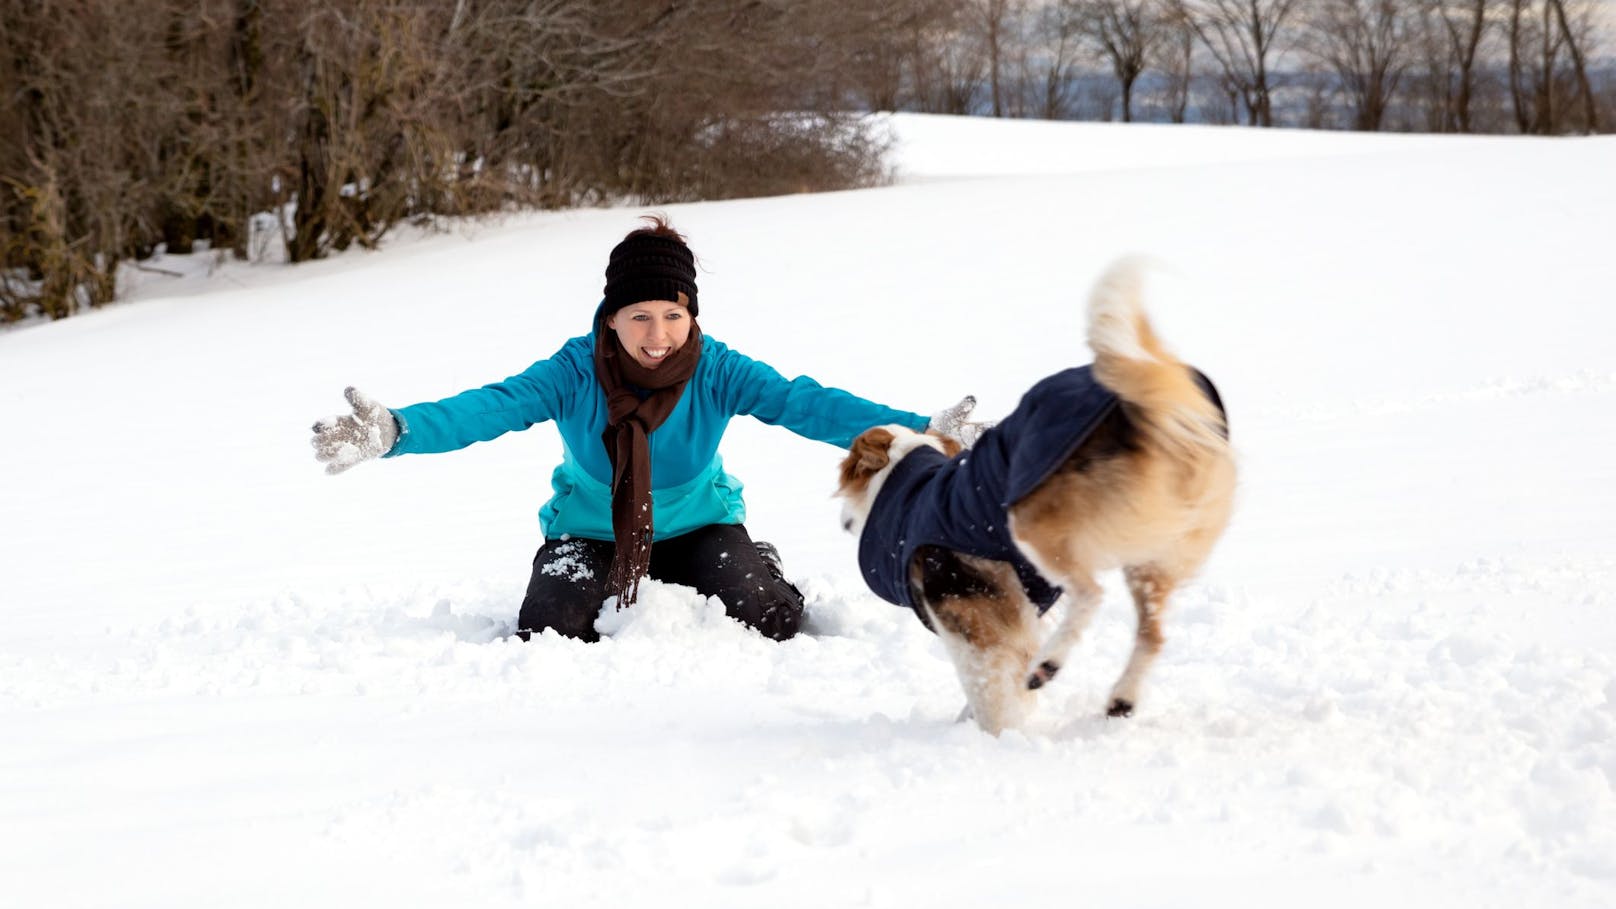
{"points": [[953, 422], [344, 440]]}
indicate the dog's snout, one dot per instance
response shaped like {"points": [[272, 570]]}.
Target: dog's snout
{"points": [[847, 524]]}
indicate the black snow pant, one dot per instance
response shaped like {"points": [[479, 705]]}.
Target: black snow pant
{"points": [[568, 585]]}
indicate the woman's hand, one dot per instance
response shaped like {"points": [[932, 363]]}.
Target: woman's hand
{"points": [[954, 422], [344, 440]]}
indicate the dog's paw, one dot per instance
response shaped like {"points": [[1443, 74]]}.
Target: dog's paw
{"points": [[1041, 676], [1119, 707]]}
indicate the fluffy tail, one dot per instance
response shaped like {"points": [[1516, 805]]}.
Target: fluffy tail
{"points": [[1130, 360]]}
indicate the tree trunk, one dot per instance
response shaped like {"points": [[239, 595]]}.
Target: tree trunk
{"points": [[1467, 64], [1547, 116], [1517, 88], [1589, 113]]}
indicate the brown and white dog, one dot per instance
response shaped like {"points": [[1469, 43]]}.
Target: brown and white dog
{"points": [[1145, 482]]}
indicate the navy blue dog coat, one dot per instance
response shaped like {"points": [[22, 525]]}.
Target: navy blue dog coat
{"points": [[962, 503]]}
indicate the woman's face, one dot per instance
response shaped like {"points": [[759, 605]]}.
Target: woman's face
{"points": [[652, 330]]}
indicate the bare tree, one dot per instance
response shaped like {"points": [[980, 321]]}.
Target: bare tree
{"points": [[950, 71], [886, 44], [1465, 22], [370, 141], [1126, 33], [1243, 37], [1366, 43], [1528, 84], [1541, 38], [928, 56], [744, 102], [1449, 37], [1058, 51], [81, 154], [993, 23], [1319, 99], [1175, 57], [1575, 37]]}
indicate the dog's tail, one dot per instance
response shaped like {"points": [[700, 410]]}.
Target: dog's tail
{"points": [[1167, 401]]}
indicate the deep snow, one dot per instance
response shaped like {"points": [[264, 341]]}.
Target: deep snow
{"points": [[228, 679]]}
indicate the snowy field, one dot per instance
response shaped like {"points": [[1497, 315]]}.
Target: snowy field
{"points": [[227, 679]]}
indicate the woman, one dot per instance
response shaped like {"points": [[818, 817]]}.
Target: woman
{"points": [[641, 403]]}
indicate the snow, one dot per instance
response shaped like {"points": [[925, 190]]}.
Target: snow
{"points": [[229, 679]]}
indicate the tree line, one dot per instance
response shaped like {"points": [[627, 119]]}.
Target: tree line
{"points": [[1494, 66], [316, 125]]}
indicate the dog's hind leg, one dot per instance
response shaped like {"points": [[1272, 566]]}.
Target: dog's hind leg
{"points": [[1150, 586], [1082, 600]]}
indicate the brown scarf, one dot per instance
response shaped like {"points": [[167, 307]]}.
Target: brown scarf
{"points": [[630, 419]]}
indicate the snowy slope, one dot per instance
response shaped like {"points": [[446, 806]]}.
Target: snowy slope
{"points": [[227, 679]]}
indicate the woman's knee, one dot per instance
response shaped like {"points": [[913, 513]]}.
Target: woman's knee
{"points": [[781, 620], [773, 609], [566, 590]]}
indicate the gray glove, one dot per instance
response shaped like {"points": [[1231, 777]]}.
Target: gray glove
{"points": [[344, 440], [953, 423]]}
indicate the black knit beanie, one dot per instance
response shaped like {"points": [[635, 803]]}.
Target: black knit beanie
{"points": [[649, 267]]}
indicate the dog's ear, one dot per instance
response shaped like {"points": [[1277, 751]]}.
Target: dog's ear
{"points": [[951, 446], [867, 455], [873, 447]]}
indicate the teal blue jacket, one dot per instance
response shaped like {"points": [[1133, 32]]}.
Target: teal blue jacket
{"points": [[689, 486]]}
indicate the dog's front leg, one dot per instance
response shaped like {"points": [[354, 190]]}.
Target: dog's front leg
{"points": [[1083, 597], [989, 641]]}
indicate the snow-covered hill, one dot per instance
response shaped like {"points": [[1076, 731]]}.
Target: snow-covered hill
{"points": [[228, 679]]}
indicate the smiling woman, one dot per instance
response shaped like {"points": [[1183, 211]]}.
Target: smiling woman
{"points": [[642, 403], [651, 330]]}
